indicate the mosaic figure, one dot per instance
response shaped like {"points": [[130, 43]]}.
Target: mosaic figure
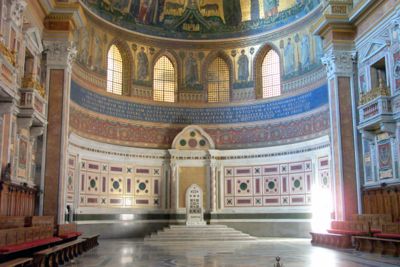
{"points": [[135, 8], [192, 76], [255, 9], [270, 8], [305, 52], [289, 57], [84, 54], [232, 12], [319, 50], [146, 11], [98, 57], [143, 65], [243, 70]]}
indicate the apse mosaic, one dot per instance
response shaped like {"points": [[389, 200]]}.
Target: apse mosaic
{"points": [[287, 184], [201, 19], [114, 185]]}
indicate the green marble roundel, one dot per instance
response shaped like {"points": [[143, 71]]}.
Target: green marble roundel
{"points": [[243, 186], [142, 186], [182, 142], [115, 185], [92, 183], [297, 183], [202, 142], [271, 185]]}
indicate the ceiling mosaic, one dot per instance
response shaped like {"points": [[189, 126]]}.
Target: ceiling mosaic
{"points": [[201, 19]]}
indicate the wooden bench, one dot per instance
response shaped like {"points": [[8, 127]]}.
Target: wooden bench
{"points": [[8, 222], [378, 245], [375, 221], [20, 262], [90, 241], [68, 231], [25, 238], [42, 220], [390, 231], [349, 228], [59, 254], [328, 239]]}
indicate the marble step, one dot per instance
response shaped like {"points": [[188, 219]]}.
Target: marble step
{"points": [[176, 233], [183, 231], [183, 239], [208, 226], [237, 234]]}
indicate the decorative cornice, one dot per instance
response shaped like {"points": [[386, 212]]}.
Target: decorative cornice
{"points": [[59, 21]]}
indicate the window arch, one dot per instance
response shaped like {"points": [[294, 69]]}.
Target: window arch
{"points": [[164, 80], [218, 81], [271, 75], [114, 70]]}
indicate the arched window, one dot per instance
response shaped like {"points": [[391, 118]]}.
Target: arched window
{"points": [[271, 75], [218, 81], [164, 81], [114, 71]]}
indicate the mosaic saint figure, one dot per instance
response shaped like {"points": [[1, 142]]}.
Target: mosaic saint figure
{"points": [[135, 8], [319, 50], [192, 76], [255, 9], [84, 53], [305, 52], [289, 57], [143, 65], [146, 11], [159, 11], [270, 7], [232, 12], [98, 58], [243, 70]]}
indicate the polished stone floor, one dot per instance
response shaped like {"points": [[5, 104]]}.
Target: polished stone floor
{"points": [[294, 253]]}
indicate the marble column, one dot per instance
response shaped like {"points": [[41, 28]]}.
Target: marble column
{"points": [[165, 186], [174, 187], [340, 74], [60, 55], [213, 186]]}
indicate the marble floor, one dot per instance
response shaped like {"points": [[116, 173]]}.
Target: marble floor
{"points": [[293, 253]]}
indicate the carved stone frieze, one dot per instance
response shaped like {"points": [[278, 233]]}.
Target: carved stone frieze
{"points": [[339, 62]]}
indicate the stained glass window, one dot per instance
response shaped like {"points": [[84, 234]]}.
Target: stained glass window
{"points": [[114, 71], [218, 81], [271, 75], [164, 82]]}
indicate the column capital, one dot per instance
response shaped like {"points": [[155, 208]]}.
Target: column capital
{"points": [[17, 11], [339, 62], [60, 53]]}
